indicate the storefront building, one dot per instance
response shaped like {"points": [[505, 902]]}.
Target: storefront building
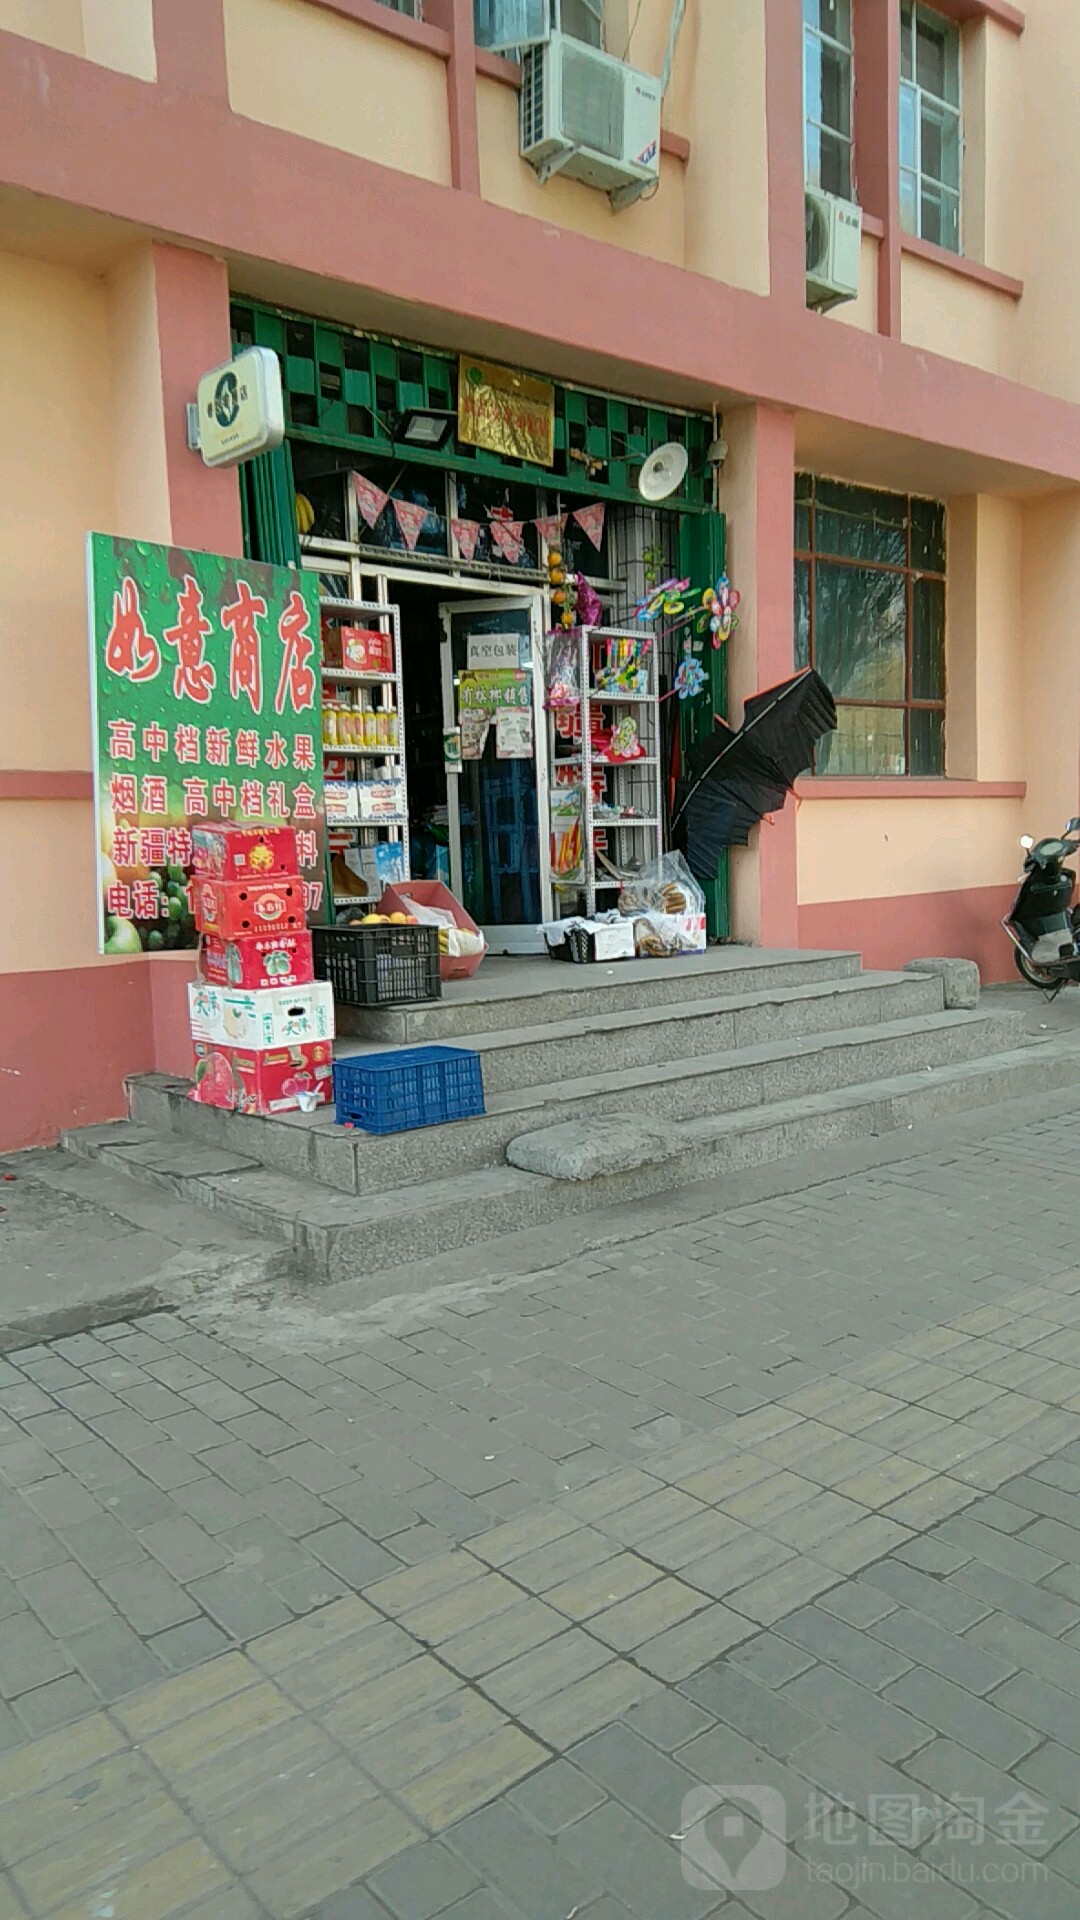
{"points": [[896, 479]]}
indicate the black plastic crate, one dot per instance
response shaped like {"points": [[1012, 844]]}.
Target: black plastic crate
{"points": [[378, 966]]}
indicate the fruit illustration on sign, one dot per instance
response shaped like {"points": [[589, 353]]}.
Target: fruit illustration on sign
{"points": [[215, 1084]]}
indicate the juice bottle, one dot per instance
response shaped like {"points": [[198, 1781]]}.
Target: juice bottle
{"points": [[329, 727]]}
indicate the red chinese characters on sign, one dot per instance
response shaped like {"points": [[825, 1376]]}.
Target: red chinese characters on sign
{"points": [[145, 900], [277, 752], [186, 745], [121, 739], [195, 677], [218, 746], [277, 800], [124, 793], [196, 799], [155, 741], [224, 798], [245, 649], [130, 651], [247, 748], [296, 682], [178, 847], [118, 900], [251, 799], [153, 794], [303, 758], [307, 848], [125, 848], [304, 802], [152, 846]]}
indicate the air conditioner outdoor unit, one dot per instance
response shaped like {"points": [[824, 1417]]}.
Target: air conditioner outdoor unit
{"points": [[833, 248], [590, 116]]}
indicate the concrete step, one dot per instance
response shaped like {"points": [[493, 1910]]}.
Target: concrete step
{"points": [[342, 1237], [354, 1162], [606, 1042], [507, 994]]}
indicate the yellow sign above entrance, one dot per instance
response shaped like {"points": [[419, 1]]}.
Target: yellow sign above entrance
{"points": [[505, 411]]}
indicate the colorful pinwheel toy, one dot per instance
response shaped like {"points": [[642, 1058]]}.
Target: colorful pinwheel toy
{"points": [[664, 600], [718, 606], [690, 678]]}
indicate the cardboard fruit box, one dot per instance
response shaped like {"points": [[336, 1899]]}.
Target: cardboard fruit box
{"points": [[260, 960], [262, 1017], [262, 1080], [239, 907], [243, 853]]}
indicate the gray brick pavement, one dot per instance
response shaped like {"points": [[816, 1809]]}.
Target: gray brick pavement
{"points": [[632, 1526]]}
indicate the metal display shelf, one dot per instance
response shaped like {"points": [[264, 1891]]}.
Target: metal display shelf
{"points": [[627, 783], [386, 695]]}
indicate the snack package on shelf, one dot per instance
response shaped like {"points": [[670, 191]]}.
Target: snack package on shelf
{"points": [[563, 670], [666, 886]]}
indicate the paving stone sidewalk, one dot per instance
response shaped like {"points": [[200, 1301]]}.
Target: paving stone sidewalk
{"points": [[732, 1569]]}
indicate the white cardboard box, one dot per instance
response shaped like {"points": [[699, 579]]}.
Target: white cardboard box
{"points": [[261, 1017]]}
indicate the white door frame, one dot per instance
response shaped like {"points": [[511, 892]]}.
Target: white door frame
{"points": [[505, 938]]}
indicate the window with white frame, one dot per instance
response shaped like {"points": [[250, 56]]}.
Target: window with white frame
{"points": [[502, 26], [931, 143], [827, 94]]}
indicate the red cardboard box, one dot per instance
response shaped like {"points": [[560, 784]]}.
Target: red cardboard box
{"points": [[243, 853], [434, 905], [267, 1080], [259, 960], [367, 650], [242, 907]]}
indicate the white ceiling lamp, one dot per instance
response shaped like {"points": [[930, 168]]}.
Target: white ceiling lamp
{"points": [[663, 472]]}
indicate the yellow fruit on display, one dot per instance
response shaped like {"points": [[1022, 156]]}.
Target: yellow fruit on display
{"points": [[305, 514], [399, 919]]}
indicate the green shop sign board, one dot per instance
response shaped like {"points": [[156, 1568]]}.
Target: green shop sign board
{"points": [[206, 688]]}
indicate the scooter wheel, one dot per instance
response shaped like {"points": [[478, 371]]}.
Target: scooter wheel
{"points": [[1035, 976]]}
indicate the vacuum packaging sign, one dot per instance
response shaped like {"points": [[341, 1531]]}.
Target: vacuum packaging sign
{"points": [[205, 679], [493, 650]]}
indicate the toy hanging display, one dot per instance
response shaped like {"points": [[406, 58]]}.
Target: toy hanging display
{"points": [[623, 665], [690, 677], [718, 613]]}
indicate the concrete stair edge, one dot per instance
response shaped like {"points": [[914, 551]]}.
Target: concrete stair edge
{"points": [[735, 1080], [343, 1235]]}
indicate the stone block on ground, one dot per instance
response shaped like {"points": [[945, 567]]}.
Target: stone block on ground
{"points": [[959, 979], [585, 1150]]}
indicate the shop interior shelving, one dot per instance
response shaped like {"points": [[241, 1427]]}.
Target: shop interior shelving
{"points": [[628, 809], [353, 689]]}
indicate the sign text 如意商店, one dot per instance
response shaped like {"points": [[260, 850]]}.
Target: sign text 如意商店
{"points": [[508, 412], [206, 688]]}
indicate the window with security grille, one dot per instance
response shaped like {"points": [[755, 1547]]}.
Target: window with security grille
{"points": [[870, 616], [414, 8], [931, 132], [827, 95]]}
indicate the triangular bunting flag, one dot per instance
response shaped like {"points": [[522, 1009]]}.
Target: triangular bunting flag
{"points": [[507, 537], [591, 522], [550, 528], [466, 533], [410, 518], [369, 498]]}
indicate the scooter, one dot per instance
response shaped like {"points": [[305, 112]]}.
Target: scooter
{"points": [[1042, 924]]}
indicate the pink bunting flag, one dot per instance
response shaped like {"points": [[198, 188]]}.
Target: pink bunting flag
{"points": [[410, 518], [591, 522], [507, 537], [466, 533], [369, 498], [550, 528]]}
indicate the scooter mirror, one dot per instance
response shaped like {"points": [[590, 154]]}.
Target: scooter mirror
{"points": [[1026, 842], [1073, 826]]}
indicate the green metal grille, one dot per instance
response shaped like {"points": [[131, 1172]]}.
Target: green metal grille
{"points": [[347, 389]]}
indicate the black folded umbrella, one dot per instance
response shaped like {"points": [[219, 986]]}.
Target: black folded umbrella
{"points": [[733, 778]]}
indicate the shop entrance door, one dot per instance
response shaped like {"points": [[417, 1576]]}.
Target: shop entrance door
{"points": [[497, 802]]}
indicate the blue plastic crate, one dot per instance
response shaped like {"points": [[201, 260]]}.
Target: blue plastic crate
{"points": [[414, 1087]]}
